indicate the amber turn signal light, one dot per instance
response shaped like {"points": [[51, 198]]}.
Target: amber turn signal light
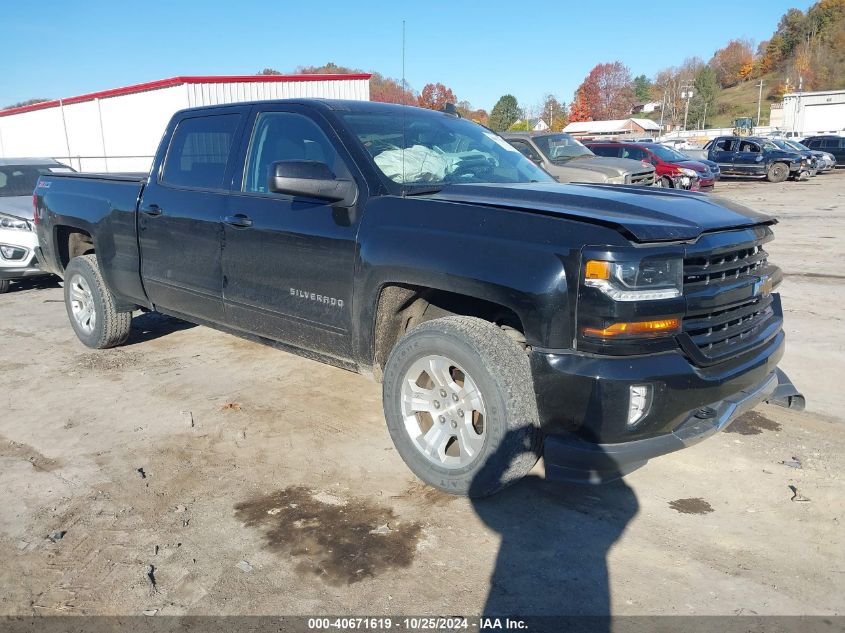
{"points": [[639, 328], [596, 269]]}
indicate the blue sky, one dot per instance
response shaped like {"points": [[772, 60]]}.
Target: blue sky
{"points": [[480, 49]]}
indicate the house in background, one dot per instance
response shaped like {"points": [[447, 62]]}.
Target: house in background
{"points": [[645, 108], [618, 128]]}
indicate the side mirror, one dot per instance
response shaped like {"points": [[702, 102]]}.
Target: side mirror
{"points": [[311, 179]]}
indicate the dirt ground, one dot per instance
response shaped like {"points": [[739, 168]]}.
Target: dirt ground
{"points": [[191, 472]]}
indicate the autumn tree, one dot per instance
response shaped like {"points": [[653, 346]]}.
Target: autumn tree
{"points": [[388, 90], [435, 96], [579, 109], [505, 113], [671, 83], [553, 112], [269, 71], [608, 91], [21, 104], [466, 110], [733, 63]]}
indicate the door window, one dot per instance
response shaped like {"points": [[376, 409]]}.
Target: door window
{"points": [[634, 153], [831, 143], [724, 145], [748, 146], [286, 136], [526, 150], [199, 151]]}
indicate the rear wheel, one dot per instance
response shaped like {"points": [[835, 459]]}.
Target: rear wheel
{"points": [[5, 284], [778, 172], [460, 406], [91, 305]]}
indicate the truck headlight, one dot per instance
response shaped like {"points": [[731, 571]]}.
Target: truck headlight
{"points": [[616, 180], [11, 222], [642, 280]]}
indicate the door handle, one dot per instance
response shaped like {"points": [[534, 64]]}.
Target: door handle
{"points": [[238, 220], [152, 209]]}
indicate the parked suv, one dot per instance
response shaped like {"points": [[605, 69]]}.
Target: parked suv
{"points": [[569, 160], [18, 177], [831, 144], [673, 168]]}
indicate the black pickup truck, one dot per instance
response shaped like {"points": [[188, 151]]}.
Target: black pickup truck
{"points": [[508, 316]]}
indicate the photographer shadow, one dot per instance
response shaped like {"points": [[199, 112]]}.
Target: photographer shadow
{"points": [[555, 538]]}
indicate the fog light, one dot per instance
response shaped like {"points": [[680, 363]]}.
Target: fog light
{"points": [[639, 404], [12, 253]]}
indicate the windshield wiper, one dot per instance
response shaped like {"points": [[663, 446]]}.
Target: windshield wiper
{"points": [[419, 191]]}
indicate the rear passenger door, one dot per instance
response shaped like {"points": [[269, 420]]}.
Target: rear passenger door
{"points": [[748, 160], [835, 146], [180, 214]]}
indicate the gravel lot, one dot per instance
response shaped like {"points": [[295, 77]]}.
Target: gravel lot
{"points": [[193, 472]]}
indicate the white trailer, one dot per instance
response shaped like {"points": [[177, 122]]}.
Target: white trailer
{"points": [[119, 130], [812, 113]]}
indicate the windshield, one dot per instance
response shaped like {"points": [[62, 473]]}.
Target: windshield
{"points": [[435, 149], [667, 153], [20, 180], [798, 146], [561, 147]]}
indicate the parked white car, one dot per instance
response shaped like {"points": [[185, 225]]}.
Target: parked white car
{"points": [[677, 143], [18, 240]]}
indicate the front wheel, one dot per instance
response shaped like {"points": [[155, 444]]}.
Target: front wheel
{"points": [[666, 183], [777, 172], [5, 284], [460, 406], [91, 305]]}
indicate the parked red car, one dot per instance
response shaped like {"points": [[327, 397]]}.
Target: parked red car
{"points": [[673, 168]]}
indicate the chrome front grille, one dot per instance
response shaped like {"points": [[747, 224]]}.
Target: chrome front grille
{"points": [[643, 178]]}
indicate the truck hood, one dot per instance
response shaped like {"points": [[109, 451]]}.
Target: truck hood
{"points": [[18, 206], [610, 167], [643, 214]]}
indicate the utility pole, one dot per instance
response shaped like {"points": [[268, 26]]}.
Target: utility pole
{"points": [[759, 101], [686, 94], [704, 119]]}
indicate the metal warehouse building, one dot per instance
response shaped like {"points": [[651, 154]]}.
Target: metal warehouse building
{"points": [[810, 113], [119, 130]]}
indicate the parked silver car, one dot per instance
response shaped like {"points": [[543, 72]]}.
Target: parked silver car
{"points": [[568, 160], [18, 177]]}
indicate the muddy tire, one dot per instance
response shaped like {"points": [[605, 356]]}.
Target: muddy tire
{"points": [[91, 305], [5, 284], [460, 406], [778, 172]]}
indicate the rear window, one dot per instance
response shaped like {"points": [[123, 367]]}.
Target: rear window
{"points": [[606, 150], [199, 151], [20, 180]]}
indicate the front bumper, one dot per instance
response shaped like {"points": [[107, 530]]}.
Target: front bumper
{"points": [[583, 400], [570, 459], [24, 264]]}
